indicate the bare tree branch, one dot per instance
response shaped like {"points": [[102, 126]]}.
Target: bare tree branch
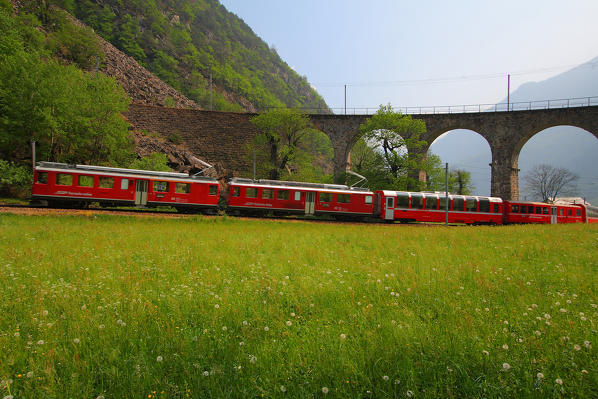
{"points": [[545, 182]]}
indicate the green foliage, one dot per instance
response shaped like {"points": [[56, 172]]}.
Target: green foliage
{"points": [[14, 177], [76, 44], [179, 41], [169, 102], [282, 134], [175, 138], [74, 116], [155, 161], [397, 138], [459, 180]]}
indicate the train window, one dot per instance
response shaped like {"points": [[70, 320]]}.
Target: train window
{"points": [[64, 179], [161, 186], [560, 211], [213, 189], [484, 205], [570, 212], [402, 200], [282, 194], [343, 198], [297, 195], [545, 210], [251, 192], [106, 182], [431, 202], [417, 201], [539, 210], [236, 191], [530, 209], [267, 193], [523, 209], [368, 199], [42, 177], [442, 203], [85, 181], [578, 212], [182, 188], [458, 204], [471, 204], [325, 197], [496, 208], [515, 208], [124, 184]]}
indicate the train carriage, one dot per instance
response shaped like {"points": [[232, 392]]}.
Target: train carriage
{"points": [[283, 197], [589, 213], [78, 185], [542, 213], [431, 207]]}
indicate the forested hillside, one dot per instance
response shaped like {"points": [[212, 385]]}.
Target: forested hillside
{"points": [[184, 41]]}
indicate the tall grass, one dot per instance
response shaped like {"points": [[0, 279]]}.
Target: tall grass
{"points": [[118, 307]]}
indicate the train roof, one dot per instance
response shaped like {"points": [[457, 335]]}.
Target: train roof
{"points": [[106, 170], [441, 194], [295, 184]]}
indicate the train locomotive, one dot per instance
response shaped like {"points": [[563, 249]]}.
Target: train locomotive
{"points": [[63, 185]]}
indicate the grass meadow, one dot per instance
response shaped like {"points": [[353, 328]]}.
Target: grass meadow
{"points": [[136, 307]]}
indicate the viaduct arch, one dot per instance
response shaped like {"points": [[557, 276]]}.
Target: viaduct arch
{"points": [[220, 137]]}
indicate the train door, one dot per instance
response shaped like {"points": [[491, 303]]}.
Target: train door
{"points": [[141, 192], [390, 208], [310, 202], [553, 215]]}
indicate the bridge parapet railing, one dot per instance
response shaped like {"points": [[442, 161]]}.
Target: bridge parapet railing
{"points": [[471, 108]]}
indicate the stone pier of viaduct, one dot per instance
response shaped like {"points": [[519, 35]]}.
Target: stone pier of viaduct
{"points": [[221, 138]]}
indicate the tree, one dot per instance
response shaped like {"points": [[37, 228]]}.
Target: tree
{"points": [[397, 137], [545, 182], [74, 116], [459, 180], [281, 133]]}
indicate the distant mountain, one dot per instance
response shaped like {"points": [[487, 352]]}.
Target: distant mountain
{"points": [[188, 42], [464, 149]]}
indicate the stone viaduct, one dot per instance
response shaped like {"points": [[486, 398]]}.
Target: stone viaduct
{"points": [[221, 137]]}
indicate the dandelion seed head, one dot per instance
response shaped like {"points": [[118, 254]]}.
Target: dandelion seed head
{"points": [[409, 394], [289, 323], [505, 347], [540, 376], [485, 353], [385, 378], [324, 390], [76, 340], [206, 373], [159, 359], [559, 381], [577, 347], [343, 336], [506, 366], [40, 342], [282, 388]]}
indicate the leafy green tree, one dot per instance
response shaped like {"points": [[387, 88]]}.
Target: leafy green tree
{"points": [[281, 133], [155, 161], [73, 116], [397, 138], [459, 180]]}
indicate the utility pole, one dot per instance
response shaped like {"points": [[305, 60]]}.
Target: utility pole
{"points": [[345, 99], [446, 201], [508, 92]]}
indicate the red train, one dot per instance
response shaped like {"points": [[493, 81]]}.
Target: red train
{"points": [[58, 184]]}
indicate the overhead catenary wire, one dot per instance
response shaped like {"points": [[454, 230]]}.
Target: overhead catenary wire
{"points": [[452, 79]]}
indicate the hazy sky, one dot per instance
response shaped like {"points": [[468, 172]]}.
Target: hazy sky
{"points": [[420, 53]]}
